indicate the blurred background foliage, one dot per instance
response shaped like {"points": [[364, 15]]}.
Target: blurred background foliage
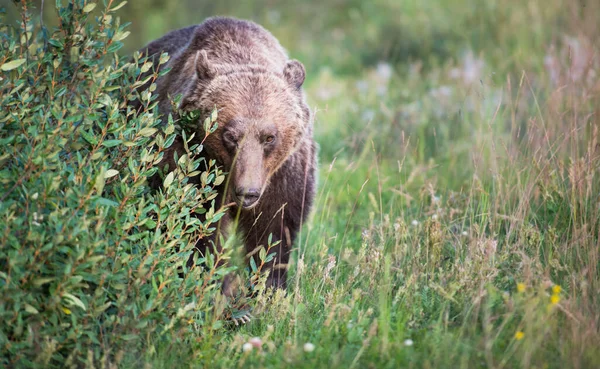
{"points": [[353, 34]]}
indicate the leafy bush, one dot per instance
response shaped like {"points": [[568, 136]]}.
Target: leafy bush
{"points": [[91, 258]]}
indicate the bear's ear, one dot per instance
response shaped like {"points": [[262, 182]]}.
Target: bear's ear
{"points": [[294, 73], [204, 68]]}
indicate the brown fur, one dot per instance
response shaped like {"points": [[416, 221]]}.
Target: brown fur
{"points": [[241, 69]]}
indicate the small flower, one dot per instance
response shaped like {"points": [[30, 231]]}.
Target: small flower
{"points": [[519, 335], [309, 347], [190, 321], [434, 216], [247, 347], [384, 71], [554, 299], [521, 287], [35, 196], [415, 222], [408, 342], [255, 342], [465, 233], [556, 289], [362, 86]]}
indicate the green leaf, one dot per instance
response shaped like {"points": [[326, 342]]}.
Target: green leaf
{"points": [[262, 254], [121, 36], [42, 281], [90, 138], [118, 6], [30, 309], [89, 7], [164, 57], [115, 46], [219, 180], [111, 173], [169, 179], [214, 115], [146, 67], [103, 307], [129, 337], [106, 202], [12, 64], [147, 132], [100, 181], [111, 143], [56, 43], [150, 223], [73, 300]]}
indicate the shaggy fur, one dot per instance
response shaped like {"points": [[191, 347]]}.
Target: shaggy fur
{"points": [[264, 137]]}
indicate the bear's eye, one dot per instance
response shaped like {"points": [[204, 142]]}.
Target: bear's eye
{"points": [[229, 138], [269, 139]]}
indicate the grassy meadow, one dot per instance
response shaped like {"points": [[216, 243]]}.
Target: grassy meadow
{"points": [[457, 221]]}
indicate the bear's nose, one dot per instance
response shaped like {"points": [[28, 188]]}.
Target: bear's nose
{"points": [[247, 196]]}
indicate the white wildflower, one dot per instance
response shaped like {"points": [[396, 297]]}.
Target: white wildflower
{"points": [[309, 347], [408, 342], [247, 347], [384, 71]]}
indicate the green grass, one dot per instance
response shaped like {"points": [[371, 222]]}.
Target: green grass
{"points": [[452, 171], [459, 157]]}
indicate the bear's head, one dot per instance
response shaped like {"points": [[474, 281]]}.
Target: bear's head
{"points": [[262, 120]]}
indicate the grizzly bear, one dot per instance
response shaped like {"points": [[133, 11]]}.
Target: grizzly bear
{"points": [[264, 138]]}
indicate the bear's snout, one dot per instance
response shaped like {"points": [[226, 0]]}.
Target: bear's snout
{"points": [[247, 197]]}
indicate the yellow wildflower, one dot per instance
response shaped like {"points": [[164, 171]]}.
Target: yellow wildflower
{"points": [[556, 289], [554, 299], [519, 335], [520, 287]]}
